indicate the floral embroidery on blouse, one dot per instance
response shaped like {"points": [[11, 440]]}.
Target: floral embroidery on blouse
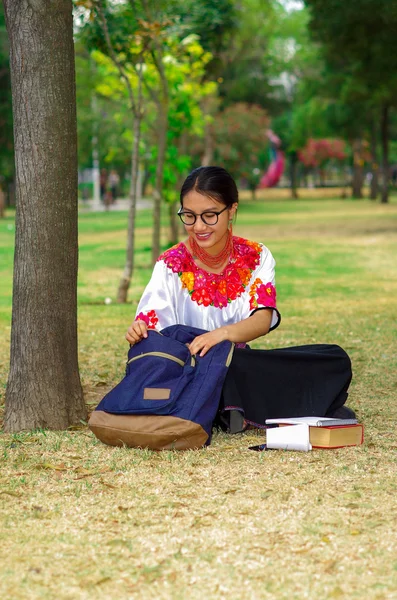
{"points": [[212, 289], [262, 294], [150, 318]]}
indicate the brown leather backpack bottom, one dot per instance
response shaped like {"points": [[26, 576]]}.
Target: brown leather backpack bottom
{"points": [[147, 431]]}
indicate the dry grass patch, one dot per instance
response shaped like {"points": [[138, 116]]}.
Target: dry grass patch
{"points": [[81, 520]]}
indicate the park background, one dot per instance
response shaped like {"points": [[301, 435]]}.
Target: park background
{"points": [[82, 520]]}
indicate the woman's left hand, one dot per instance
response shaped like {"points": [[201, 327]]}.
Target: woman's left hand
{"points": [[202, 343]]}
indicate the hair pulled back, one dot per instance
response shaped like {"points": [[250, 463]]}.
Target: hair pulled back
{"points": [[214, 182]]}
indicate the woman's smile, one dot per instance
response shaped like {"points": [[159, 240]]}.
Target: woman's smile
{"points": [[202, 237]]}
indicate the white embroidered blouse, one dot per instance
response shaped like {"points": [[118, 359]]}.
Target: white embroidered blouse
{"points": [[179, 292]]}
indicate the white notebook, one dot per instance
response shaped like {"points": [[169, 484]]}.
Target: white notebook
{"points": [[295, 437], [312, 421]]}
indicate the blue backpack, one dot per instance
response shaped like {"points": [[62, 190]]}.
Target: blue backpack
{"points": [[168, 398]]}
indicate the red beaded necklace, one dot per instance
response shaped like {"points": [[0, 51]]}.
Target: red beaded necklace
{"points": [[213, 261]]}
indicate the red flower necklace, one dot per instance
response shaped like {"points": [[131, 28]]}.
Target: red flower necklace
{"points": [[212, 289], [214, 261]]}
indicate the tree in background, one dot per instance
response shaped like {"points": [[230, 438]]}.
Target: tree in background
{"points": [[318, 153], [256, 62], [102, 113], [241, 143], [359, 40], [141, 39], [239, 134], [184, 67], [130, 72], [188, 93], [216, 22], [298, 69], [44, 388]]}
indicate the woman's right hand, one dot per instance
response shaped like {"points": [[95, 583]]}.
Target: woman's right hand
{"points": [[136, 332]]}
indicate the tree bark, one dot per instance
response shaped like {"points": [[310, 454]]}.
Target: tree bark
{"points": [[125, 280], [385, 154], [158, 186], [44, 388], [174, 223], [374, 187], [2, 203], [358, 170], [122, 293], [293, 174], [208, 153], [209, 107]]}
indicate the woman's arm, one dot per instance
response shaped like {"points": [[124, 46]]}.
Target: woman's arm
{"points": [[246, 330], [156, 308]]}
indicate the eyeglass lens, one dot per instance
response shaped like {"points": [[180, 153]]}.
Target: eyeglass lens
{"points": [[209, 218]]}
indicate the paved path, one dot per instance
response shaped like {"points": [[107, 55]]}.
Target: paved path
{"points": [[121, 204]]}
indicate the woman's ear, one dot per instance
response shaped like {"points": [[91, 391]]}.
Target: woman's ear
{"points": [[233, 210]]}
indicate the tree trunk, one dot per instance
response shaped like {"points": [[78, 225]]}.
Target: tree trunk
{"points": [[209, 107], [208, 153], [2, 203], [158, 186], [44, 388], [125, 280], [174, 223], [357, 183], [358, 170], [385, 154], [136, 109], [172, 211], [293, 174], [374, 185]]}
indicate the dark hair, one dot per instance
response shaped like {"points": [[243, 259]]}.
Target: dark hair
{"points": [[214, 182]]}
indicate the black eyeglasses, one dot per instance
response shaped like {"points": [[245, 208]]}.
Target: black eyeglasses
{"points": [[209, 217]]}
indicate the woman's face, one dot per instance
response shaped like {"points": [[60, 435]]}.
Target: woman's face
{"points": [[207, 236]]}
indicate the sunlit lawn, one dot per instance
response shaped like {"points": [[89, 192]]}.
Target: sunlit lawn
{"points": [[83, 520]]}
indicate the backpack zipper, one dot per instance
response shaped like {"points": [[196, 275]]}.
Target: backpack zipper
{"points": [[230, 355], [164, 355]]}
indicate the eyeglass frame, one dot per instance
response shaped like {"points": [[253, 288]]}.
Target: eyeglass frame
{"points": [[214, 212]]}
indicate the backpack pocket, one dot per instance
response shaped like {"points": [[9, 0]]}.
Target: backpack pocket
{"points": [[151, 385]]}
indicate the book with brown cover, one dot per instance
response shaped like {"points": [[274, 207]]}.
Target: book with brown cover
{"points": [[335, 436], [325, 432]]}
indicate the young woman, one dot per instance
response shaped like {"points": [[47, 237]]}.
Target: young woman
{"points": [[226, 285]]}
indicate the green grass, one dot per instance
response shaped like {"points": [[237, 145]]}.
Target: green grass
{"points": [[83, 520]]}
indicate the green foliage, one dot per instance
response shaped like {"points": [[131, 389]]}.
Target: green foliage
{"points": [[324, 83], [361, 36], [184, 62], [216, 22], [256, 57], [185, 69], [358, 40], [102, 112], [240, 140]]}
